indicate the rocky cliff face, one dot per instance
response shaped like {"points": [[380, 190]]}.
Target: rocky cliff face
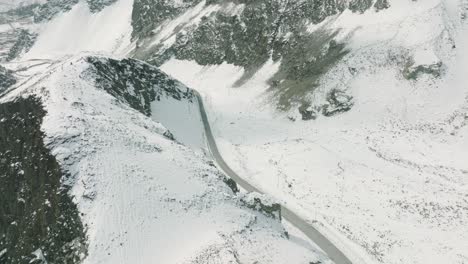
{"points": [[248, 34], [238, 32], [98, 5], [43, 12], [6, 79], [23, 42], [135, 83], [39, 223], [149, 14]]}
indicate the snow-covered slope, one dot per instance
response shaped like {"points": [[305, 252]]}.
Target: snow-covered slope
{"points": [[388, 178], [82, 30], [11, 4], [353, 113], [144, 198], [56, 28]]}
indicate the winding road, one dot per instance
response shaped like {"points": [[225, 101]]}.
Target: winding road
{"points": [[326, 245]]}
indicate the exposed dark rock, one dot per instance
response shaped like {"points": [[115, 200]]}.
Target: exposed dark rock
{"points": [[51, 8], [360, 5], [272, 210], [169, 135], [23, 11], [23, 44], [6, 79], [249, 38], [308, 112], [211, 163], [135, 83], [381, 4], [38, 219], [98, 5], [43, 12], [149, 14], [231, 184], [338, 102], [412, 72], [262, 30], [244, 40]]}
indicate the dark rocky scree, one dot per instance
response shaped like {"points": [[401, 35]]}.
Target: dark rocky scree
{"points": [[45, 11], [135, 83], [148, 14], [337, 102], [232, 184], [250, 38], [381, 4], [273, 210], [6, 79], [13, 39], [21, 12], [264, 29], [36, 213], [360, 5], [23, 44], [98, 5], [411, 72], [308, 112], [51, 8]]}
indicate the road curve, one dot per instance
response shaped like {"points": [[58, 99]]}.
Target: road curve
{"points": [[313, 234]]}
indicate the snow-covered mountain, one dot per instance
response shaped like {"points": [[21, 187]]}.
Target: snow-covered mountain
{"points": [[140, 196], [353, 113], [6, 5]]}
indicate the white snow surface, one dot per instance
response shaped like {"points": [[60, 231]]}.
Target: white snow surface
{"points": [[79, 30], [145, 198], [387, 181]]}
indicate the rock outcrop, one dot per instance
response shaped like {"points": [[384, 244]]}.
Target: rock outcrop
{"points": [[39, 223]]}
